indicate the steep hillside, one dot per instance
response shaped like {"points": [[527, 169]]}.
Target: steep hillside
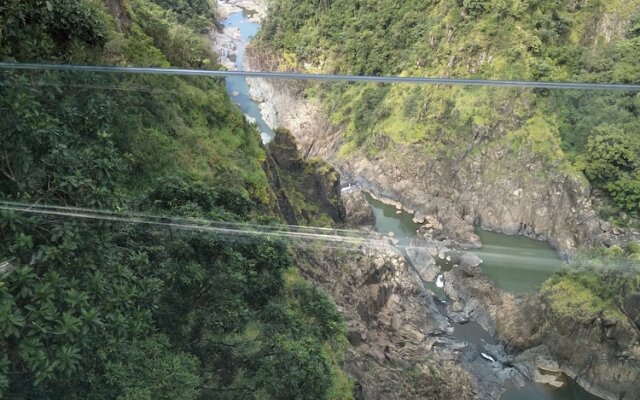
{"points": [[490, 142], [513, 160], [102, 308]]}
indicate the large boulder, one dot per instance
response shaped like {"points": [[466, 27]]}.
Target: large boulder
{"points": [[357, 208]]}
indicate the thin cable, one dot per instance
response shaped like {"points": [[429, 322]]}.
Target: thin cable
{"points": [[225, 228], [322, 77], [311, 236], [26, 207]]}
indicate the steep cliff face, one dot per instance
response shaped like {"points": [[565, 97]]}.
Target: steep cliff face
{"points": [[307, 191], [505, 189], [608, 363], [494, 156], [358, 211], [392, 324]]}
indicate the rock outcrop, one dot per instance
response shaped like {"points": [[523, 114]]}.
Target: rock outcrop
{"points": [[608, 361], [313, 180], [475, 296], [393, 325], [358, 211], [602, 354]]}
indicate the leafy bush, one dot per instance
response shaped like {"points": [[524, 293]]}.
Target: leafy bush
{"points": [[595, 282], [35, 28], [474, 7], [626, 193], [198, 14], [612, 162]]}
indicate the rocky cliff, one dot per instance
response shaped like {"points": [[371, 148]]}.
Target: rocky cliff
{"points": [[608, 362], [503, 188], [307, 191], [601, 352], [393, 325]]}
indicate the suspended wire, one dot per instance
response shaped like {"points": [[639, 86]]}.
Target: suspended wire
{"points": [[326, 238], [309, 234], [322, 77], [26, 207]]}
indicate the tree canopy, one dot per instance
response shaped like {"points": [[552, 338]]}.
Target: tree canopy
{"points": [[110, 309]]}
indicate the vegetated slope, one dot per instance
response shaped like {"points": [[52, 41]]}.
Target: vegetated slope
{"points": [[592, 41], [103, 309]]}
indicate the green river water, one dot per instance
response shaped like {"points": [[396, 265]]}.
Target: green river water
{"points": [[516, 263]]}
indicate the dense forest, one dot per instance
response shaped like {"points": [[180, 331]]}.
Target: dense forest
{"points": [[596, 133], [99, 309]]}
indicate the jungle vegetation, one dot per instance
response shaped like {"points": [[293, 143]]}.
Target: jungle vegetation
{"points": [[99, 309], [595, 133]]}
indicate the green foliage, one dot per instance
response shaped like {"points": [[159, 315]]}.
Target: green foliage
{"points": [[177, 42], [626, 192], [610, 155], [106, 309], [543, 40], [474, 7], [199, 14], [150, 369], [294, 370], [612, 161], [633, 248], [84, 32], [595, 283], [38, 30], [186, 198]]}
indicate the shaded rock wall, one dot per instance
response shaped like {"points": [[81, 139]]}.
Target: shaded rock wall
{"points": [[358, 211], [315, 183], [392, 324], [608, 360]]}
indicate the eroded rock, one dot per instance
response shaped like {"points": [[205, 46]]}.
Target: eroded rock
{"points": [[357, 208], [394, 327]]}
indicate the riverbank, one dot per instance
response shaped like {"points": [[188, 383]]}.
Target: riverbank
{"points": [[257, 8], [229, 41]]}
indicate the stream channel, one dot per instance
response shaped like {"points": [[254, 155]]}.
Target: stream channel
{"points": [[518, 264]]}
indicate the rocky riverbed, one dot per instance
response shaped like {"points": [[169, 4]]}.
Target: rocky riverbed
{"points": [[393, 324], [257, 8]]}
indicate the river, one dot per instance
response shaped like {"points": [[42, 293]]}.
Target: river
{"points": [[237, 86], [516, 263]]}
